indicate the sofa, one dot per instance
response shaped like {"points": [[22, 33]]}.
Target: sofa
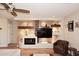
{"points": [[61, 47]]}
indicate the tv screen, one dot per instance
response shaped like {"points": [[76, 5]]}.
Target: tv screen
{"points": [[44, 32]]}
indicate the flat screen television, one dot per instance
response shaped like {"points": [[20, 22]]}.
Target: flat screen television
{"points": [[44, 32]]}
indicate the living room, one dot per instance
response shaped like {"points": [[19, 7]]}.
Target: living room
{"points": [[34, 29]]}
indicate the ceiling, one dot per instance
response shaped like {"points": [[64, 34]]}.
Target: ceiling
{"points": [[48, 10]]}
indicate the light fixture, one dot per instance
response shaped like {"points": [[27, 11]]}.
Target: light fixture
{"points": [[43, 24]]}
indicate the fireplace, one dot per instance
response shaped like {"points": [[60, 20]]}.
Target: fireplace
{"points": [[29, 41]]}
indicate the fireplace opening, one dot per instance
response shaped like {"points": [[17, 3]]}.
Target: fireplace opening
{"points": [[29, 41]]}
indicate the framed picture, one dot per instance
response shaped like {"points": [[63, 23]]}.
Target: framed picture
{"points": [[0, 28], [71, 26], [77, 24]]}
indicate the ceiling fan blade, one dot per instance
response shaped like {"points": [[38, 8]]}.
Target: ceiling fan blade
{"points": [[5, 5], [7, 8], [22, 10], [13, 13]]}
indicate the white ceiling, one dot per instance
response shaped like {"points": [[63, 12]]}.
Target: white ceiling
{"points": [[48, 10]]}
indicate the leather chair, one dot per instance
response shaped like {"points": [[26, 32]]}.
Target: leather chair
{"points": [[61, 47], [77, 53]]}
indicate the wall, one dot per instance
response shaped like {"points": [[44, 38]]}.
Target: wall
{"points": [[3, 32], [14, 32], [10, 31], [21, 32], [6, 25], [72, 37]]}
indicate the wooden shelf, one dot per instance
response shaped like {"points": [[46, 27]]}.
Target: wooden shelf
{"points": [[25, 27], [55, 25]]}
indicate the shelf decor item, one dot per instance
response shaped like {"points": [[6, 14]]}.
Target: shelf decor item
{"points": [[71, 26]]}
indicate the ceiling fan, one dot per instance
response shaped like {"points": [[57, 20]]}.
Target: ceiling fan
{"points": [[9, 7]]}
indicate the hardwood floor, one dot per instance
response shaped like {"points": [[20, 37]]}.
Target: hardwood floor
{"points": [[29, 51]]}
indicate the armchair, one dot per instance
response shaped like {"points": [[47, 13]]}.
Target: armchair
{"points": [[61, 47]]}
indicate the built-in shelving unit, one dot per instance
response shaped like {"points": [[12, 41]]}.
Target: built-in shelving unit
{"points": [[30, 27]]}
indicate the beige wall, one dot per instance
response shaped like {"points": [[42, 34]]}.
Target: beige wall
{"points": [[14, 31], [72, 37]]}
